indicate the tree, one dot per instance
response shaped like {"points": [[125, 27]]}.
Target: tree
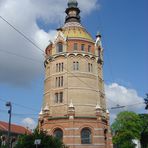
{"points": [[27, 141], [1, 139], [146, 101], [126, 128], [144, 132]]}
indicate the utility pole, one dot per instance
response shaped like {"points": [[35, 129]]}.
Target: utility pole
{"points": [[8, 104]]}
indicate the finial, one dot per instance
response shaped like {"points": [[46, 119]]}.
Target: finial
{"points": [[98, 107], [107, 111], [71, 105], [98, 34], [46, 108], [41, 112], [72, 3]]}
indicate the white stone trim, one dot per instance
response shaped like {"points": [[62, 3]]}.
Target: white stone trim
{"points": [[84, 88], [71, 136], [73, 24], [98, 136], [99, 144], [69, 129], [98, 129], [95, 144]]}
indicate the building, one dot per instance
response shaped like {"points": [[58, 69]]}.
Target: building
{"points": [[74, 104], [16, 130]]}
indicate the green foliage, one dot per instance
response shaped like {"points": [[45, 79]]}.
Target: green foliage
{"points": [[146, 101], [1, 142], [0, 138], [126, 128], [27, 141], [144, 132]]}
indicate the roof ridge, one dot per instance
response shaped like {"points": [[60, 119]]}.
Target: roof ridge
{"points": [[3, 125], [14, 127]]}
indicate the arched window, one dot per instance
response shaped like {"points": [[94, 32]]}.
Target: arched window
{"points": [[58, 133], [86, 136], [59, 47]]}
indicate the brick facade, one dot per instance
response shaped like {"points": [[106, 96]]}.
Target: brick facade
{"points": [[74, 104]]}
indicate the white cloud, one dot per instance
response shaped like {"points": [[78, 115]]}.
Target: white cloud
{"points": [[24, 16], [120, 95], [29, 122]]}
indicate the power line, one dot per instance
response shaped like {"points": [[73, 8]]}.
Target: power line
{"points": [[130, 105], [16, 104], [20, 56], [20, 116], [84, 81], [22, 34]]}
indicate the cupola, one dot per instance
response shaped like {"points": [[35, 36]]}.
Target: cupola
{"points": [[72, 12], [72, 3]]}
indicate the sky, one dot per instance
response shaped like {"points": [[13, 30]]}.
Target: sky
{"points": [[123, 25]]}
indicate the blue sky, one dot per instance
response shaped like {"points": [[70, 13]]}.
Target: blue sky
{"points": [[123, 25]]}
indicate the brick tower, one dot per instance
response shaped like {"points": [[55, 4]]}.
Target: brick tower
{"points": [[74, 105]]}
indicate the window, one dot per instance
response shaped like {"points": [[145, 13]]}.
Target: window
{"points": [[86, 136], [56, 97], [75, 65], [75, 46], [89, 48], [56, 82], [59, 47], [59, 97], [58, 133], [62, 67], [62, 81], [59, 67], [59, 81], [82, 47], [90, 67]]}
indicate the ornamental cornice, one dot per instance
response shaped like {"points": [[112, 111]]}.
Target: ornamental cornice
{"points": [[67, 54]]}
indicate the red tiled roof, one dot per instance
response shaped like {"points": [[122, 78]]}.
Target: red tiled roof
{"points": [[14, 128]]}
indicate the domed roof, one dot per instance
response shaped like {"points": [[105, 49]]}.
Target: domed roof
{"points": [[72, 3], [76, 31]]}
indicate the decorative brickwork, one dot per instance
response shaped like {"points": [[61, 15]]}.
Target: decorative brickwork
{"points": [[74, 106]]}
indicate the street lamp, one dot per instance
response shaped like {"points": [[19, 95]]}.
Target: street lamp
{"points": [[8, 104]]}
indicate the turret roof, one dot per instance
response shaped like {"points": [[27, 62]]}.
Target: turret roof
{"points": [[77, 31]]}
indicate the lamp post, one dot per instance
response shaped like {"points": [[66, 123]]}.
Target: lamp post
{"points": [[8, 104]]}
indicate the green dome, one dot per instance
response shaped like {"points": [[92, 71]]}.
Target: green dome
{"points": [[72, 3]]}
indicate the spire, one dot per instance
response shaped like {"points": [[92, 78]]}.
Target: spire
{"points": [[72, 12], [98, 107], [46, 108], [71, 105], [41, 112], [107, 111]]}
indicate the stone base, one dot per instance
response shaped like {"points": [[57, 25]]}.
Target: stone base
{"points": [[100, 132]]}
